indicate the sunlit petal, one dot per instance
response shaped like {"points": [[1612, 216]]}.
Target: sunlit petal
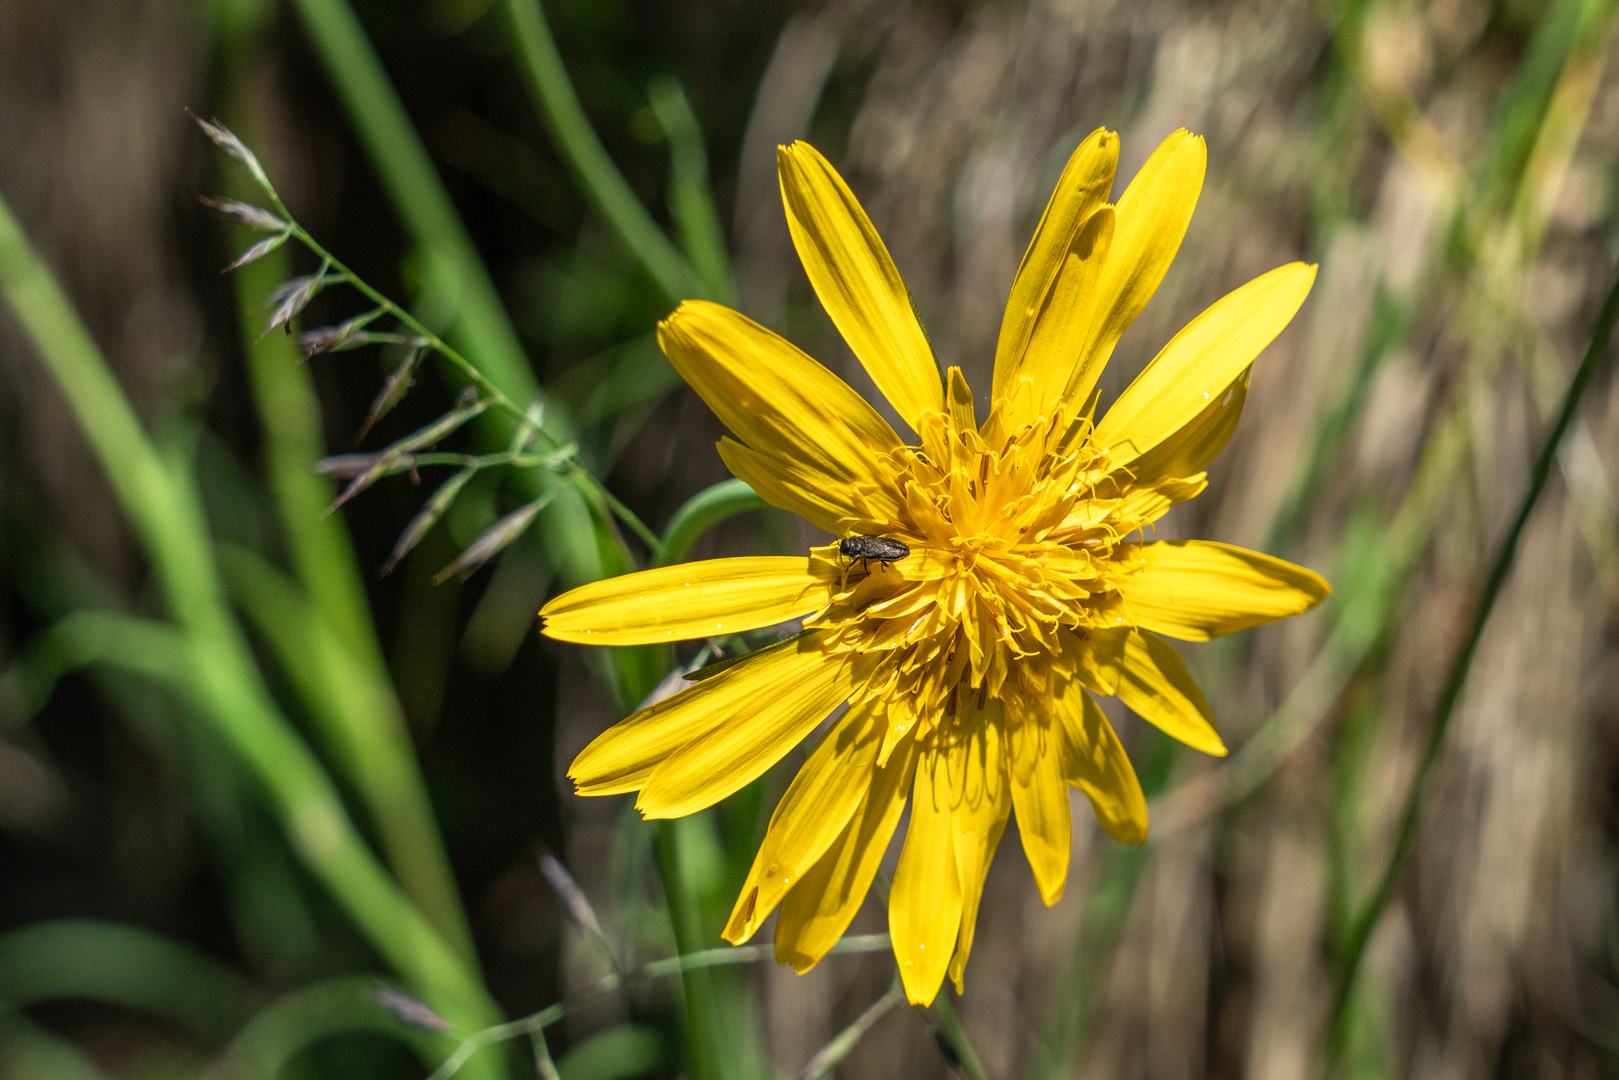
{"points": [[818, 909], [1080, 192], [692, 600], [1157, 685], [775, 398], [924, 908], [822, 798], [1201, 361], [624, 756], [1197, 589], [855, 278], [1094, 761]]}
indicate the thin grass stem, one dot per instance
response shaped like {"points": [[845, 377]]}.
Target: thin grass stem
{"points": [[489, 391], [543, 73], [1405, 836], [950, 1023], [843, 1043], [658, 969], [385, 773]]}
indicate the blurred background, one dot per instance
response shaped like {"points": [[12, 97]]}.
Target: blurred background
{"points": [[247, 783]]}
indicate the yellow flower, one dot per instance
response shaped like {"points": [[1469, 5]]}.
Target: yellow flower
{"points": [[967, 665]]}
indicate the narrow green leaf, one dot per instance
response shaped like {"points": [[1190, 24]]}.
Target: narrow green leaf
{"points": [[691, 198], [702, 512]]}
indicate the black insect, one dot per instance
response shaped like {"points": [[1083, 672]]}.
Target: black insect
{"points": [[872, 548]]}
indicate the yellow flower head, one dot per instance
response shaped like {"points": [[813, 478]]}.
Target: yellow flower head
{"points": [[968, 663]]}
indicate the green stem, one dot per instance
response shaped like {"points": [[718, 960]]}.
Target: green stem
{"points": [[703, 1052], [487, 389], [828, 1057], [702, 512], [658, 969], [950, 1021], [543, 74], [226, 685], [1405, 836]]}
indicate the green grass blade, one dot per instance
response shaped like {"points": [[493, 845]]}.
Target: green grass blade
{"points": [[290, 420], [83, 638], [691, 197], [121, 965], [479, 323], [547, 81], [26, 1049], [275, 1035], [1405, 836], [1523, 106], [361, 720], [406, 172], [226, 686]]}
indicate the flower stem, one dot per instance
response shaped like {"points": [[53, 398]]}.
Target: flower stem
{"points": [[950, 1023], [1361, 929]]}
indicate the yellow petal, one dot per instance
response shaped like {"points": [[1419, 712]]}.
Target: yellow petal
{"points": [[924, 908], [1056, 357], [819, 908], [774, 397], [1198, 589], [727, 758], [816, 809], [1190, 450], [624, 756], [1152, 214], [1201, 361], [1044, 821], [857, 283], [794, 488], [692, 600], [1156, 684], [1146, 503], [1081, 190], [1095, 763], [960, 401], [976, 825], [1101, 658]]}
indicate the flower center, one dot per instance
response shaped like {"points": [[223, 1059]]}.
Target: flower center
{"points": [[1014, 557]]}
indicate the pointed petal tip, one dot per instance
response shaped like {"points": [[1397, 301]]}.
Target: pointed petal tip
{"points": [[800, 962], [1128, 834], [917, 988], [742, 925], [652, 809]]}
